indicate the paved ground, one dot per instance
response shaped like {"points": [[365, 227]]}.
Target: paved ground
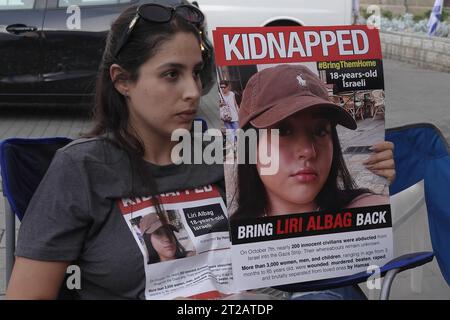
{"points": [[412, 95]]}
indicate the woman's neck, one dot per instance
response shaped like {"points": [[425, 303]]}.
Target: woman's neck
{"points": [[157, 148], [158, 151]]}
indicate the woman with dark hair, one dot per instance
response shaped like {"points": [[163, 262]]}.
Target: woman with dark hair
{"points": [[148, 85]]}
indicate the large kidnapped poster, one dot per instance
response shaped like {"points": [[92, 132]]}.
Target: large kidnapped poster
{"points": [[303, 203]]}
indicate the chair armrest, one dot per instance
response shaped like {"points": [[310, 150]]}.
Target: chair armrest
{"points": [[402, 263]]}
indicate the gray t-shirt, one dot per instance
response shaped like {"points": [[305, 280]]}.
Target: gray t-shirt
{"points": [[73, 215]]}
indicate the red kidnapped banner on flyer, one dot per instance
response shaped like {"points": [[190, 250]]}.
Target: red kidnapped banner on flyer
{"points": [[292, 44]]}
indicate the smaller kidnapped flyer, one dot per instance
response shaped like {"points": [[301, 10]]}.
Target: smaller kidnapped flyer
{"points": [[186, 246], [303, 196]]}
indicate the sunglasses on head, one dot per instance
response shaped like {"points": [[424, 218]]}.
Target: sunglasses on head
{"points": [[157, 13]]}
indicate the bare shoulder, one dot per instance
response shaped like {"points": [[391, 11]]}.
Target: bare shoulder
{"points": [[368, 199]]}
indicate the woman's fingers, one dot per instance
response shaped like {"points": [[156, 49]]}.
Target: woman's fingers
{"points": [[389, 174], [384, 169], [381, 162], [380, 165], [381, 146], [381, 151], [379, 156]]}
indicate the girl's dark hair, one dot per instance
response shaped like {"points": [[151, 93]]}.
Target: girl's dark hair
{"points": [[111, 114], [153, 256], [338, 191]]}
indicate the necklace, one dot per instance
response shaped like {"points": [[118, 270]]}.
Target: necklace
{"points": [[266, 215]]}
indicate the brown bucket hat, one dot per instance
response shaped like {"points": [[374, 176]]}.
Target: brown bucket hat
{"points": [[151, 222], [276, 93]]}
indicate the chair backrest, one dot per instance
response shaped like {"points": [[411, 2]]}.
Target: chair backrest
{"points": [[24, 163], [422, 153], [415, 146]]}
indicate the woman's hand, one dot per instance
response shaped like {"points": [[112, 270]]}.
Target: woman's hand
{"points": [[381, 162]]}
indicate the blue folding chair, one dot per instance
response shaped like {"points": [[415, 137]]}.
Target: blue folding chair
{"points": [[23, 163], [422, 153]]}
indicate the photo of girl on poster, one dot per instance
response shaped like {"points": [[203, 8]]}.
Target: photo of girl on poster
{"points": [[312, 174], [160, 240]]}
